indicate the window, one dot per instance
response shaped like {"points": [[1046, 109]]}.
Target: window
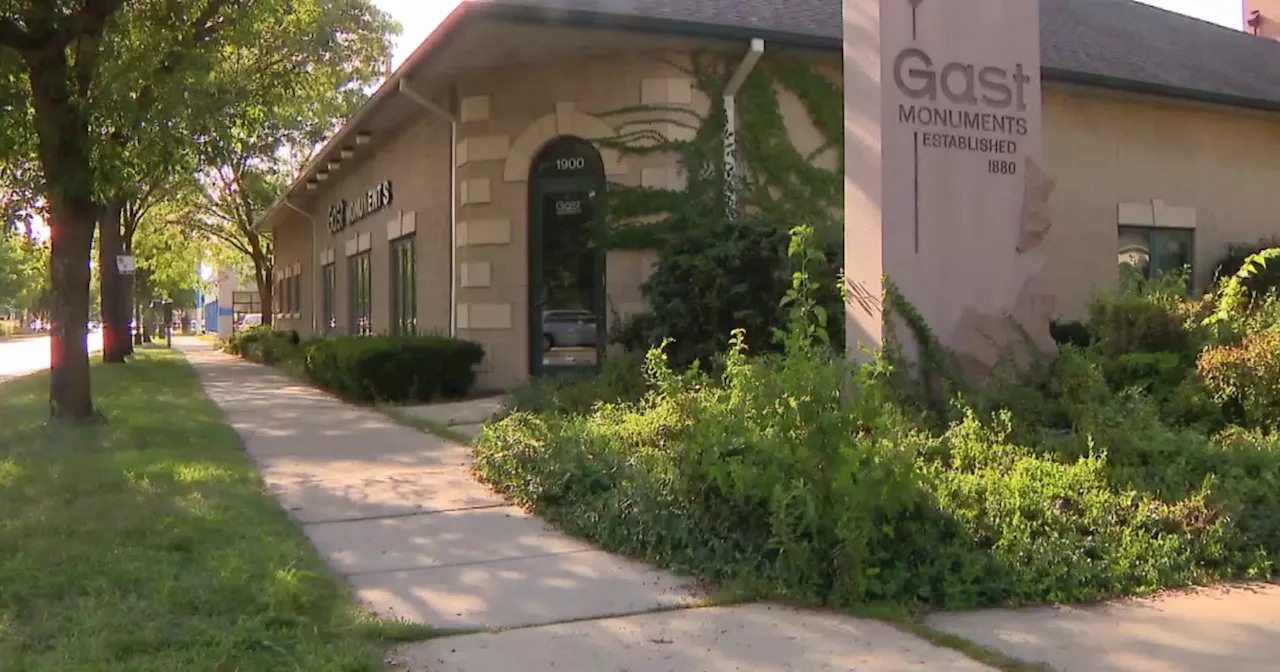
{"points": [[279, 298], [1151, 252], [327, 291], [404, 300], [297, 294], [361, 295]]}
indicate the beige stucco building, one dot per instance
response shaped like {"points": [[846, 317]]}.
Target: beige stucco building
{"points": [[451, 201]]}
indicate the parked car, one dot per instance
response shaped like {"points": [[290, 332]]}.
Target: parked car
{"points": [[249, 321], [568, 329]]}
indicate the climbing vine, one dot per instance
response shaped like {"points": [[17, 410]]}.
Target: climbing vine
{"points": [[725, 232], [777, 181]]}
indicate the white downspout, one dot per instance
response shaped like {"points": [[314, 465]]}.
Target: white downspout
{"points": [[731, 89], [453, 196], [313, 263]]}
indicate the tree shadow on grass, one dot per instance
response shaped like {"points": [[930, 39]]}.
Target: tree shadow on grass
{"points": [[147, 543]]}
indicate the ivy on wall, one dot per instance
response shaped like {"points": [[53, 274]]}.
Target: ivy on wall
{"points": [[777, 180]]}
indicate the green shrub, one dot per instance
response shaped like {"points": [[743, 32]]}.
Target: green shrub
{"points": [[1247, 375], [741, 271], [1142, 321], [394, 368], [1266, 280], [781, 476], [241, 339], [621, 379]]}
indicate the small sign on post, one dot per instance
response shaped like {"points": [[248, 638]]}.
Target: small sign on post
{"points": [[124, 264]]}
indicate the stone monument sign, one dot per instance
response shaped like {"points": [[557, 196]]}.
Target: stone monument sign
{"points": [[944, 190]]}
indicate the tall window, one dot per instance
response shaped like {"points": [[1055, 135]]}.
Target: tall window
{"points": [[361, 295], [329, 318], [1151, 252], [297, 294], [404, 301]]}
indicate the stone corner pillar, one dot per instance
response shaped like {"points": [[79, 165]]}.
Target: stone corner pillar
{"points": [[945, 193]]}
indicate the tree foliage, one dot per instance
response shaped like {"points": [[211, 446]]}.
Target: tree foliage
{"points": [[23, 260], [106, 96]]}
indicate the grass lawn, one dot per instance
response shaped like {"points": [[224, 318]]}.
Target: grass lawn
{"points": [[147, 543]]}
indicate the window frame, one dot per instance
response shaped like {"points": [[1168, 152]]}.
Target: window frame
{"points": [[360, 294], [1152, 233], [404, 285], [328, 294]]}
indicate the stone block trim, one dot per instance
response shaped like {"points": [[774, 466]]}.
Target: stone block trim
{"points": [[475, 108], [484, 316], [1157, 214], [484, 232], [476, 191], [477, 274], [361, 242], [666, 91], [566, 120], [327, 256], [483, 148], [405, 224]]}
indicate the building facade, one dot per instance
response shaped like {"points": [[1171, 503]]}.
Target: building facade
{"points": [[465, 196]]}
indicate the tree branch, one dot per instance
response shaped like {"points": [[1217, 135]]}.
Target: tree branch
{"points": [[15, 36], [224, 236]]}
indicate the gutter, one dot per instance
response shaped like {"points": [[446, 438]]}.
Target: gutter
{"points": [[403, 88], [312, 227], [1049, 73], [731, 89]]}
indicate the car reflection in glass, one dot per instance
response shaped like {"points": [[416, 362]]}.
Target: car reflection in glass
{"points": [[568, 329]]}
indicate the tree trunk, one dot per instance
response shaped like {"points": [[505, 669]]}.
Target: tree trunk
{"points": [[115, 311], [266, 292], [65, 150], [137, 314], [70, 399]]}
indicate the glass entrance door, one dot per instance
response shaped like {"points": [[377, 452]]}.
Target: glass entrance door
{"points": [[567, 264]]}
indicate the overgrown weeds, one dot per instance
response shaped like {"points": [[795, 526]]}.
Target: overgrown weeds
{"points": [[1121, 467]]}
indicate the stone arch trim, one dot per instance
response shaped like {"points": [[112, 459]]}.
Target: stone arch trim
{"points": [[564, 121]]}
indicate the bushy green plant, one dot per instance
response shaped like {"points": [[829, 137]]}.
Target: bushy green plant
{"points": [[1264, 280], [1145, 316], [394, 368], [1247, 375], [621, 379], [741, 271], [1239, 308], [239, 339], [801, 475]]}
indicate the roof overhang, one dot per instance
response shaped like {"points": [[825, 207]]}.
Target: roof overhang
{"points": [[481, 35]]}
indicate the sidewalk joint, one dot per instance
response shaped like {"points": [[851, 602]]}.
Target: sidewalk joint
{"points": [[473, 563]]}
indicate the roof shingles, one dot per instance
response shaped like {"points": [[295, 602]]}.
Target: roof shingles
{"points": [[1117, 40]]}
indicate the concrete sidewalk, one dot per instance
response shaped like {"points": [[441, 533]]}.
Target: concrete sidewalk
{"points": [[397, 512]]}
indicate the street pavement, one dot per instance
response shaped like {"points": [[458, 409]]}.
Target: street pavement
{"points": [[24, 356]]}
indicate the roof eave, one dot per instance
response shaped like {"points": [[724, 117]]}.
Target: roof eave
{"points": [[1161, 90], [388, 88], [576, 18]]}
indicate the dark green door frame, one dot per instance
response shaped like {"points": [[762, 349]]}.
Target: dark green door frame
{"points": [[565, 164]]}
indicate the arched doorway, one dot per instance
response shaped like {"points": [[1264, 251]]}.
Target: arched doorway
{"points": [[566, 260]]}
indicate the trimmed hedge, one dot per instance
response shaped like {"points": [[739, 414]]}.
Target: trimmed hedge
{"points": [[394, 368]]}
